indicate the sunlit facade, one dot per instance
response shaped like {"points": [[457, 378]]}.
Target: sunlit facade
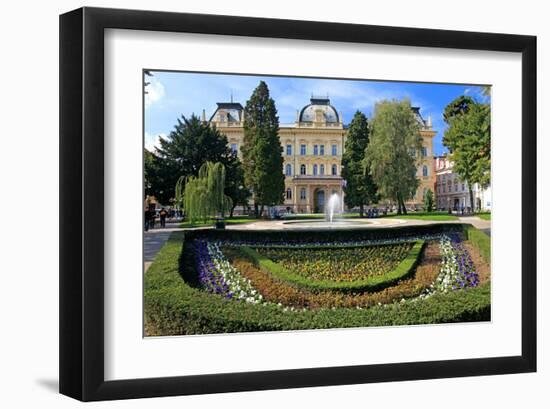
{"points": [[312, 151]]}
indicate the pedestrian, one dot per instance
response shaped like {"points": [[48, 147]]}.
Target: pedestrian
{"points": [[163, 213], [146, 224]]}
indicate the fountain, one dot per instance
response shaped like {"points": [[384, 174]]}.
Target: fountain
{"points": [[334, 205], [333, 209]]}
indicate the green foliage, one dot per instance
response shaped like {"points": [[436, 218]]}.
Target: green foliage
{"points": [[429, 201], [395, 134], [182, 153], [338, 263], [157, 177], [371, 283], [204, 195], [261, 150], [468, 138], [459, 106], [480, 240], [173, 306], [234, 183], [360, 189], [435, 216]]}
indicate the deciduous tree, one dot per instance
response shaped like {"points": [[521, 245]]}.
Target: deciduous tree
{"points": [[391, 155], [468, 138]]}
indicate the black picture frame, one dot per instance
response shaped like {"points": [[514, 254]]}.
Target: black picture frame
{"points": [[82, 192]]}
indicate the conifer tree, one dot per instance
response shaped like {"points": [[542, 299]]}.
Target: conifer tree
{"points": [[359, 188], [262, 151]]}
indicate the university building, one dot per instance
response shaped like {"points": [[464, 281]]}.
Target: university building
{"points": [[312, 151], [452, 193]]}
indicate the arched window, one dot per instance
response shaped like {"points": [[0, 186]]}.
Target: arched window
{"points": [[322, 169], [288, 169], [334, 170], [315, 170], [302, 169], [424, 171], [289, 193]]}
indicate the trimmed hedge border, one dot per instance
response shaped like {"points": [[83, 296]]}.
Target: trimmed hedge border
{"points": [[371, 284], [174, 307], [480, 240]]}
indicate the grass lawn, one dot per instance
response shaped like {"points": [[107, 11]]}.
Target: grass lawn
{"points": [[229, 220], [484, 216], [437, 216]]}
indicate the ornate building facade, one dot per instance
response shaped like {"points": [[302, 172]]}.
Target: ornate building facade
{"points": [[312, 151], [452, 193]]}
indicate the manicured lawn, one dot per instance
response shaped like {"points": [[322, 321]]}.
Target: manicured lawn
{"points": [[484, 216], [229, 220], [436, 216]]}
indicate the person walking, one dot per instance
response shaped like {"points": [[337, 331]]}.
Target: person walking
{"points": [[163, 213]]}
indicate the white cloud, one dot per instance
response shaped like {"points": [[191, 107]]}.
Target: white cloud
{"points": [[152, 141], [155, 92]]}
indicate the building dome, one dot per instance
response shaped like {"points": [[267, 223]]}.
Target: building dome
{"points": [[321, 105]]}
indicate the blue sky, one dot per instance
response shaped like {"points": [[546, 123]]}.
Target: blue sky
{"points": [[172, 94]]}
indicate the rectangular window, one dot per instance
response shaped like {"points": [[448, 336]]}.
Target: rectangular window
{"points": [[289, 150], [334, 150], [302, 149], [316, 149], [234, 148], [302, 194], [322, 150], [463, 187], [424, 151]]}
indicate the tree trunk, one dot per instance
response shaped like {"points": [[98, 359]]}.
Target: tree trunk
{"points": [[261, 211], [398, 199], [471, 198], [402, 204], [232, 210], [256, 215], [361, 210]]}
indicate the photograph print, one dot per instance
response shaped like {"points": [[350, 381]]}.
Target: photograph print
{"points": [[275, 203]]}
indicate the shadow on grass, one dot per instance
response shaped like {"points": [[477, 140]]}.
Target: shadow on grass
{"points": [[187, 263]]}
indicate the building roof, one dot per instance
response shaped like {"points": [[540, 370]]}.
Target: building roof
{"points": [[232, 112], [330, 115]]}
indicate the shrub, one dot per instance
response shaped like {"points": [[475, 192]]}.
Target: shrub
{"points": [[372, 283], [173, 307], [480, 240]]}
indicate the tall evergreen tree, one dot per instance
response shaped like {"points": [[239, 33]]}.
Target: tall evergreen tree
{"points": [[392, 151], [359, 189], [262, 151], [468, 138]]}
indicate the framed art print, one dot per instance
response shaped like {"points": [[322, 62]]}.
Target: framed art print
{"points": [[260, 204]]}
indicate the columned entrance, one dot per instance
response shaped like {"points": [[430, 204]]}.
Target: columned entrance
{"points": [[319, 201]]}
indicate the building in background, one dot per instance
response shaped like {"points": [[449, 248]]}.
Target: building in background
{"points": [[452, 193], [312, 151]]}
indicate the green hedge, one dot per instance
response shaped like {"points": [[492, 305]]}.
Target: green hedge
{"points": [[174, 307], [370, 284], [480, 240], [329, 235]]}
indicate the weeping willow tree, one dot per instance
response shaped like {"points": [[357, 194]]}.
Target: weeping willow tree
{"points": [[203, 196]]}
